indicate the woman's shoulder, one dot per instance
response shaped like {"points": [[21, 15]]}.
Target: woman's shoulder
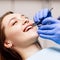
{"points": [[51, 53]]}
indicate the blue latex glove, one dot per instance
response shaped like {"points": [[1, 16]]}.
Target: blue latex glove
{"points": [[58, 18], [50, 31], [41, 15]]}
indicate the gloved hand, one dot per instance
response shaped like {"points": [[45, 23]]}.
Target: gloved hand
{"points": [[50, 31], [41, 15]]}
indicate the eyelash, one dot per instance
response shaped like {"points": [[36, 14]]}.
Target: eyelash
{"points": [[14, 23]]}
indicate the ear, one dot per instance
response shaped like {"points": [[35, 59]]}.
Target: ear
{"points": [[8, 43]]}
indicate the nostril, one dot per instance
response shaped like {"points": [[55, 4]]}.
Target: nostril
{"points": [[26, 21]]}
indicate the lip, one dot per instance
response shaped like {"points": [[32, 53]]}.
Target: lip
{"points": [[26, 27]]}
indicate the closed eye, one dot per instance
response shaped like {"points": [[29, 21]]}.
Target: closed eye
{"points": [[14, 23]]}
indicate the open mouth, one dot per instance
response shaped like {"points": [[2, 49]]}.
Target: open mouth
{"points": [[28, 27]]}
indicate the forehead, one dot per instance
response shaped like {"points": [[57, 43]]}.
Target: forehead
{"points": [[10, 16]]}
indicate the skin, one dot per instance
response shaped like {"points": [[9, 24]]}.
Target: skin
{"points": [[18, 39]]}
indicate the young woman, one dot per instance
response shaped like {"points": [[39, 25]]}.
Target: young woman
{"points": [[18, 37]]}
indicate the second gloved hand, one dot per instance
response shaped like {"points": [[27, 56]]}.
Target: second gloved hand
{"points": [[41, 15], [50, 31]]}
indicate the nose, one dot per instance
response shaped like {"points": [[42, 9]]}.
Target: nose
{"points": [[26, 20]]}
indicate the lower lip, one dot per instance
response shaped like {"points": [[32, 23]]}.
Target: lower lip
{"points": [[30, 29]]}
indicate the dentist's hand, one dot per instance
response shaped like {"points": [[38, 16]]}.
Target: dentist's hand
{"points": [[41, 15], [50, 31]]}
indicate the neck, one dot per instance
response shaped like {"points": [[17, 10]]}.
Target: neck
{"points": [[28, 51]]}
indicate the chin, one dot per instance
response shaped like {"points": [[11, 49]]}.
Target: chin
{"points": [[33, 38], [34, 35]]}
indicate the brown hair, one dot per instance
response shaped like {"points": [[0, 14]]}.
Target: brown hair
{"points": [[6, 53]]}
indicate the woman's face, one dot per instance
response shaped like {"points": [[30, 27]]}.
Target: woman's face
{"points": [[19, 29]]}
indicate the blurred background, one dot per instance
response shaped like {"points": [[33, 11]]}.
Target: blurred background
{"points": [[29, 8]]}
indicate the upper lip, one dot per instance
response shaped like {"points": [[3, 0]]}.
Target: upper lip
{"points": [[26, 26]]}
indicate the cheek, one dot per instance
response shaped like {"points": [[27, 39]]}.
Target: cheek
{"points": [[13, 32], [16, 36]]}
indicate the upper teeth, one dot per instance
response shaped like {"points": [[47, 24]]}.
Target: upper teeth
{"points": [[28, 28]]}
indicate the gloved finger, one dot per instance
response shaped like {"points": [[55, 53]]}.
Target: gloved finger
{"points": [[45, 13], [39, 15], [36, 18], [46, 32], [50, 37], [46, 36], [49, 20], [46, 27]]}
